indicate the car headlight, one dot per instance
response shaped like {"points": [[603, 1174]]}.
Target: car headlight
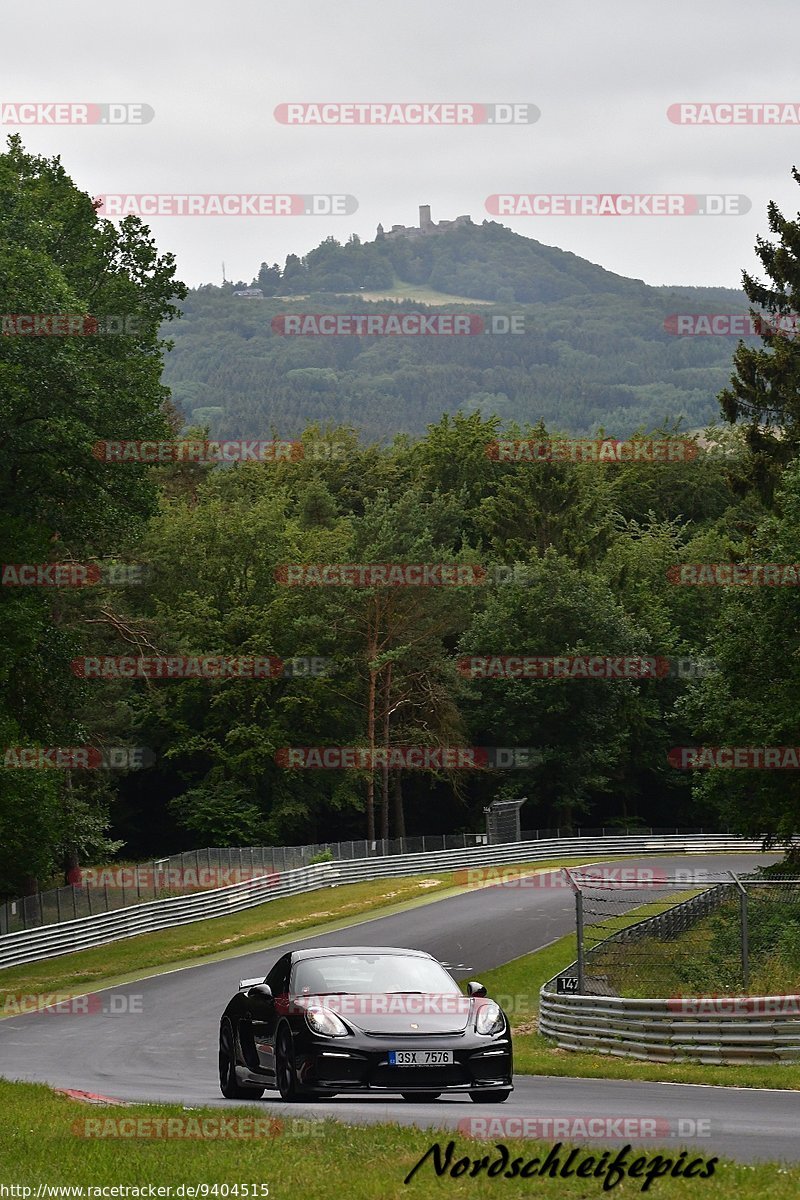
{"points": [[322, 1020], [490, 1018]]}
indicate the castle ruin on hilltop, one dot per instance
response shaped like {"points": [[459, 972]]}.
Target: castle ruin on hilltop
{"points": [[426, 227]]}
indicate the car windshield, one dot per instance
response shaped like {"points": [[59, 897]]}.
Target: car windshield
{"points": [[336, 974]]}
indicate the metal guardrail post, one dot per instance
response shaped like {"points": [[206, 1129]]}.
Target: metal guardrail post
{"points": [[579, 962], [579, 936], [744, 931]]}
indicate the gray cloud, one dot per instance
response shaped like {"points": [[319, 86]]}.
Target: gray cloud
{"points": [[603, 75]]}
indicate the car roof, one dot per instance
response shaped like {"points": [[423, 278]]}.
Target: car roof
{"points": [[325, 951]]}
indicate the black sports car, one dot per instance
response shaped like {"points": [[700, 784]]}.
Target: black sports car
{"points": [[361, 1020]]}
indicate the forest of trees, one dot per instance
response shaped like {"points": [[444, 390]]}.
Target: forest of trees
{"points": [[590, 551], [594, 351]]}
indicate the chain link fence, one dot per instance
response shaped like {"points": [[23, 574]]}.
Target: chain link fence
{"points": [[643, 934], [117, 885]]}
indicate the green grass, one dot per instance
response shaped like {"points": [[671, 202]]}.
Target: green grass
{"points": [[416, 291], [41, 1142], [250, 930]]}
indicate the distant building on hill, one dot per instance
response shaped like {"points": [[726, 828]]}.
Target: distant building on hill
{"points": [[426, 227], [250, 293]]}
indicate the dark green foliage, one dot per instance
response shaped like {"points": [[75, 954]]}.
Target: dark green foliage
{"points": [[595, 351]]}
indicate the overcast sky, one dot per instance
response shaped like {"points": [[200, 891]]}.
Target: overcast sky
{"points": [[602, 73]]}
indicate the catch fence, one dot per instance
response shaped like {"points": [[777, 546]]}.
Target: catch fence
{"points": [[119, 886], [650, 935]]}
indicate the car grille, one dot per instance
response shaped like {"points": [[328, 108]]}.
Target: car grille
{"points": [[410, 1078]]}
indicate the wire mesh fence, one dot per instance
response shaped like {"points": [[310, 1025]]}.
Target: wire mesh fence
{"points": [[688, 934], [119, 885]]}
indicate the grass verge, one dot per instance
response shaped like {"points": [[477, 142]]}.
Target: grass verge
{"points": [[420, 292], [43, 1142]]}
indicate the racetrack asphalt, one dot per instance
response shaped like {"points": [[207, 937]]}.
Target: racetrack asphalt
{"points": [[161, 1043]]}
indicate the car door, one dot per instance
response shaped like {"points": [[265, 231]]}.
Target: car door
{"points": [[265, 1013]]}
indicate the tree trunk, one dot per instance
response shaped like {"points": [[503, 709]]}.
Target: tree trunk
{"points": [[385, 764], [399, 815], [72, 866], [370, 773]]}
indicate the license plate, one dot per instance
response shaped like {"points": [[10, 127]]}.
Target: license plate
{"points": [[419, 1058]]}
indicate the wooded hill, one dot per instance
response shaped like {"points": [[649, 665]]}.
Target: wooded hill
{"points": [[594, 352]]}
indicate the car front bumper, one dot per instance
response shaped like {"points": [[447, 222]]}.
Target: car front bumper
{"points": [[328, 1065]]}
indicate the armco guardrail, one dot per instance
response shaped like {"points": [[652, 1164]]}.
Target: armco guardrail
{"points": [[720, 1029], [49, 941], [711, 1029], [119, 885]]}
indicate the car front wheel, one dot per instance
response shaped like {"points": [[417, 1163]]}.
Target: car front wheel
{"points": [[284, 1066]]}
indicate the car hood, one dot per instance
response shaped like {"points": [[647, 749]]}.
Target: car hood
{"points": [[393, 1013]]}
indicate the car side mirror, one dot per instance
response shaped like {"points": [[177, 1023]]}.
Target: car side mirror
{"points": [[261, 991], [475, 989]]}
